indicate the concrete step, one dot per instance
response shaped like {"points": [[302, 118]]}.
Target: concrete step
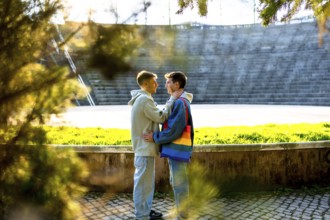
{"points": [[252, 64]]}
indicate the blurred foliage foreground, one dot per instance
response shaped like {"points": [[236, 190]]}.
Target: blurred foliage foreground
{"points": [[269, 133], [40, 182], [37, 80]]}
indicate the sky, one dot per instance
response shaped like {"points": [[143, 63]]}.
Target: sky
{"points": [[162, 12]]}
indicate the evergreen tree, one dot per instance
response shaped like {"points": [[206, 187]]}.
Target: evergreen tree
{"points": [[35, 180], [269, 11], [39, 181]]}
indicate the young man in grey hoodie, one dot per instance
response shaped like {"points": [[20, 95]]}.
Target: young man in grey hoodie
{"points": [[175, 83], [145, 117]]}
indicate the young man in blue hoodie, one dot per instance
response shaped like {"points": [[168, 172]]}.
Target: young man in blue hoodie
{"points": [[175, 83], [145, 117]]}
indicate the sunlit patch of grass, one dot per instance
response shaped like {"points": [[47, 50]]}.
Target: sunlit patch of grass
{"points": [[87, 136], [269, 133]]}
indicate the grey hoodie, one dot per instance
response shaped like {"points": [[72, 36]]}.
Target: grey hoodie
{"points": [[145, 117], [188, 96]]}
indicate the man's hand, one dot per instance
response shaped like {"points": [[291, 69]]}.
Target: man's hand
{"points": [[148, 137]]}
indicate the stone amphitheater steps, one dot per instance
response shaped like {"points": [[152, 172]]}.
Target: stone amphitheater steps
{"points": [[280, 64]]}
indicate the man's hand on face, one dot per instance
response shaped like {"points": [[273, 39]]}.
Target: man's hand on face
{"points": [[176, 94], [148, 137]]}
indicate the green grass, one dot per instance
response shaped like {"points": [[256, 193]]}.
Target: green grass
{"points": [[269, 133], [87, 136]]}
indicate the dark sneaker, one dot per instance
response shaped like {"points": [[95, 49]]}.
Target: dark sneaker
{"points": [[155, 215]]}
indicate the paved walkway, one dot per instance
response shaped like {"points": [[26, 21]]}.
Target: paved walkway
{"points": [[296, 204]]}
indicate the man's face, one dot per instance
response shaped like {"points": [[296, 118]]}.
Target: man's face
{"points": [[152, 85], [170, 86]]}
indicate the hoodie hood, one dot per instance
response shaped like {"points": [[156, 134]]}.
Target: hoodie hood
{"points": [[137, 93], [188, 96]]}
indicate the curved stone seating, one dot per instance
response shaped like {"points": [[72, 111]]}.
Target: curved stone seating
{"points": [[251, 64]]}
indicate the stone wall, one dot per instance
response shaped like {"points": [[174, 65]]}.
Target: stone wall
{"points": [[230, 167]]}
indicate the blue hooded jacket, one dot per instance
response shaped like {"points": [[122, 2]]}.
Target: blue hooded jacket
{"points": [[176, 121]]}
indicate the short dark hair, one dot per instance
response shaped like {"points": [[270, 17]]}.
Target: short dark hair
{"points": [[143, 76], [177, 76]]}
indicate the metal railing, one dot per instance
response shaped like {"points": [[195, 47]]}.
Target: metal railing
{"points": [[73, 66]]}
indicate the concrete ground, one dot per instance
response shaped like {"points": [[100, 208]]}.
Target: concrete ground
{"points": [[118, 116]]}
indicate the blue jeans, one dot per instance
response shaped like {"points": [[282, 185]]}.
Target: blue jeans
{"points": [[180, 183], [144, 186]]}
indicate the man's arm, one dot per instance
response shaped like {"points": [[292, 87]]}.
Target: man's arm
{"points": [[152, 112], [159, 116], [176, 124]]}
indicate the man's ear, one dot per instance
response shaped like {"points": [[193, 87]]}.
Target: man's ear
{"points": [[144, 84]]}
